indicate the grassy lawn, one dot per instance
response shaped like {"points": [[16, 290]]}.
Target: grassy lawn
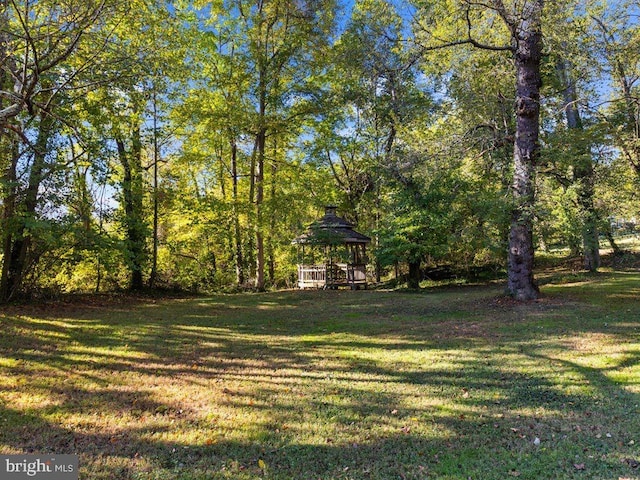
{"points": [[451, 383]]}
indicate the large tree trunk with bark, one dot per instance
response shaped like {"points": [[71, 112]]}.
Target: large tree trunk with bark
{"points": [[413, 280], [528, 53]]}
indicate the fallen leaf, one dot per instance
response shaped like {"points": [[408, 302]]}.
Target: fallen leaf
{"points": [[579, 466], [261, 464], [514, 473]]}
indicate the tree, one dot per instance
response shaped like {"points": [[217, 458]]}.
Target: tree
{"points": [[583, 175], [37, 42], [123, 111], [261, 58], [371, 98], [35, 39], [522, 23], [615, 42], [284, 38]]}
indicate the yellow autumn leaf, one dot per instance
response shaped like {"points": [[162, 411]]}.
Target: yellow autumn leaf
{"points": [[261, 464]]}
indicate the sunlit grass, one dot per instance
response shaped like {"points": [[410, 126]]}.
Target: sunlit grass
{"points": [[452, 383]]}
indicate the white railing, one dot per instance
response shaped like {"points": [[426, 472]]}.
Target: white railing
{"points": [[319, 276], [312, 276]]}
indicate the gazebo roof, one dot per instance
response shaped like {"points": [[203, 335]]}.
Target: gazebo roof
{"points": [[331, 230]]}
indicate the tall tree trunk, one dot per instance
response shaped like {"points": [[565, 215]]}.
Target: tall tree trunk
{"points": [[9, 198], [156, 158], [230, 251], [520, 283], [378, 207], [261, 144], [18, 241], [612, 241], [9, 161], [271, 262], [413, 282], [236, 214], [132, 198], [249, 250], [260, 281], [583, 174]]}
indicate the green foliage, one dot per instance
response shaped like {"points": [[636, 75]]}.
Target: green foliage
{"points": [[255, 116]]}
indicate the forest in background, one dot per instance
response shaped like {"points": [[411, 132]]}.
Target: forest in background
{"points": [[184, 144]]}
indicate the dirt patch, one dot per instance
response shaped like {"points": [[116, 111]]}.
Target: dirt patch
{"points": [[544, 302]]}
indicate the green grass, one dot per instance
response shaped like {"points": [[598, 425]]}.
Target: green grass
{"points": [[451, 383]]}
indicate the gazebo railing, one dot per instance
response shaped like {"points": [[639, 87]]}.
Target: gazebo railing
{"points": [[312, 276], [337, 274]]}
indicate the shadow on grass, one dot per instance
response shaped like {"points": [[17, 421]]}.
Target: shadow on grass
{"points": [[323, 385]]}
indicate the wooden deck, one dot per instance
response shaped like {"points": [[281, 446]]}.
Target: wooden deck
{"points": [[332, 276]]}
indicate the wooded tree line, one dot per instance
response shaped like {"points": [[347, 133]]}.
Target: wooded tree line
{"points": [[183, 144]]}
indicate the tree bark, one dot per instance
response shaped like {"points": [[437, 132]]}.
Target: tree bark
{"points": [[413, 282], [528, 54]]}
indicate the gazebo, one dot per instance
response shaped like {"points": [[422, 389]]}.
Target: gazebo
{"points": [[332, 254]]}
